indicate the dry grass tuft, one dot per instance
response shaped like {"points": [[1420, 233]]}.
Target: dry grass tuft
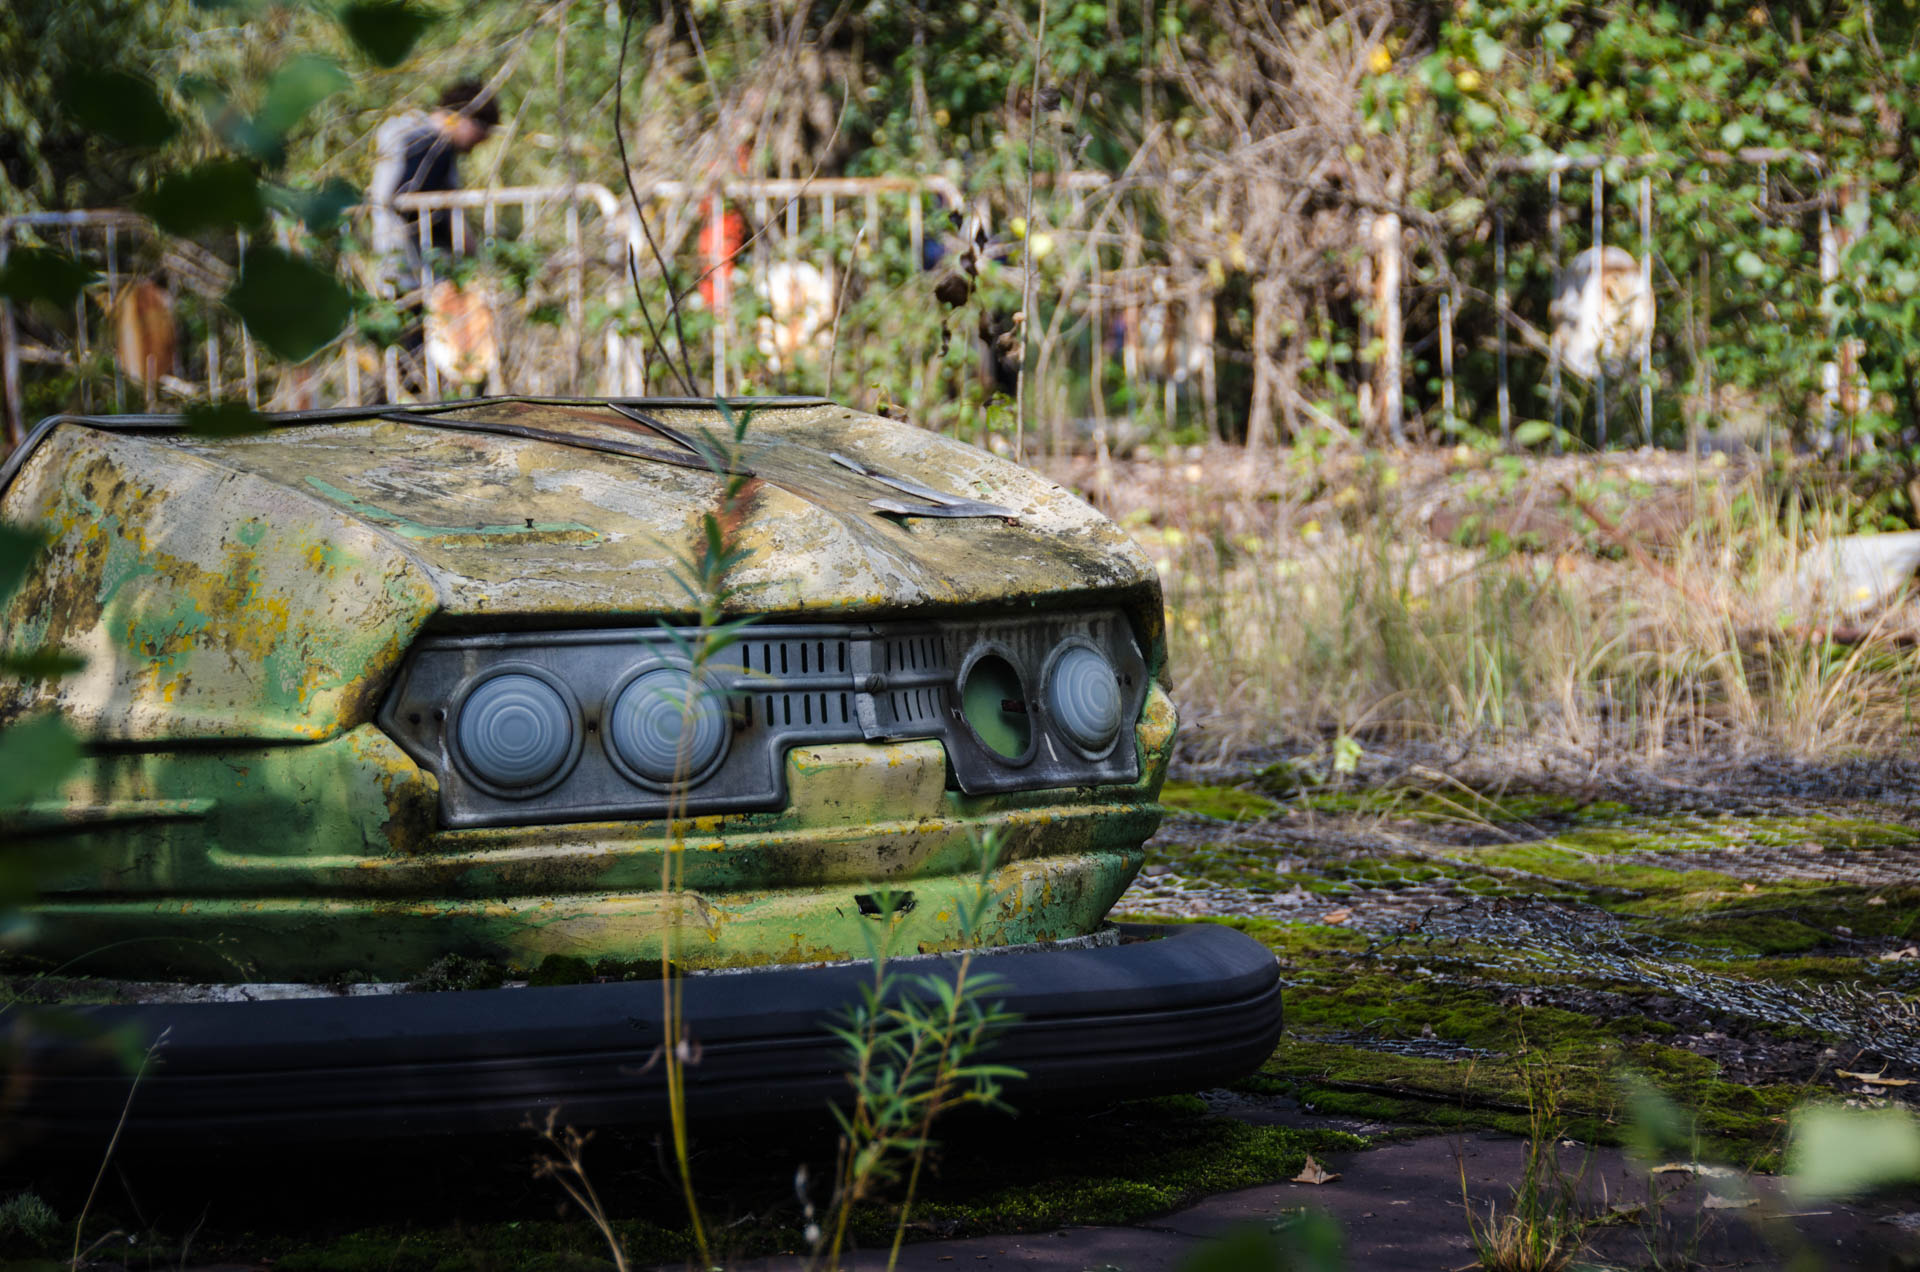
{"points": [[1443, 597]]}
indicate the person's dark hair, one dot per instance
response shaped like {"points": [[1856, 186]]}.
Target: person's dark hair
{"points": [[461, 97]]}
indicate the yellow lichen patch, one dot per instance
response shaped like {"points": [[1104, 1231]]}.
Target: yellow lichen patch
{"points": [[194, 592]]}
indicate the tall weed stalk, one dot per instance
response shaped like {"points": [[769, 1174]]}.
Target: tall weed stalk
{"points": [[1541, 1228], [915, 1045], [916, 1048]]}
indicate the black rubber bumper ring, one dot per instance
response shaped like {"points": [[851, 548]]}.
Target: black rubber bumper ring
{"points": [[1169, 1009]]}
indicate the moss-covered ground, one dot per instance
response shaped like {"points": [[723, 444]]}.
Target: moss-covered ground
{"points": [[1454, 958], [1458, 957]]}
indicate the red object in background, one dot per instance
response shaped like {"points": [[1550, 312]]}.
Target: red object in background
{"points": [[720, 242]]}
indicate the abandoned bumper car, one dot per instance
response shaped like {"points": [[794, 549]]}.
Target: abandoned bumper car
{"points": [[382, 702]]}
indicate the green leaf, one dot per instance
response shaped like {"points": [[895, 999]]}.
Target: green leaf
{"points": [[1346, 754], [295, 89], [119, 104], [1488, 52], [35, 758], [1733, 134], [225, 419], [1557, 35], [1656, 1128], [18, 548], [291, 305], [320, 209], [1841, 1152], [1749, 264], [220, 195], [38, 273], [42, 664], [386, 30], [1532, 433]]}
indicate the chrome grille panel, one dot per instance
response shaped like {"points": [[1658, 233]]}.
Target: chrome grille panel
{"points": [[789, 685]]}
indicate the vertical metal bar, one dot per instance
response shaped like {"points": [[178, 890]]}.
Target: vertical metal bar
{"points": [[350, 354], [213, 360], [1553, 349], [761, 211], [423, 222], [1446, 360], [916, 231], [576, 290], [1502, 394], [1646, 289], [866, 239], [832, 273], [917, 248], [1829, 276], [1600, 275], [10, 359], [721, 309], [1096, 368], [82, 350], [249, 366], [249, 362], [113, 327]]}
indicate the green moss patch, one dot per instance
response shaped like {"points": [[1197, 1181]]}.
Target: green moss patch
{"points": [[1223, 803]]}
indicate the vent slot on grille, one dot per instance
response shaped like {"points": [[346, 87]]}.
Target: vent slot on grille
{"points": [[824, 709], [762, 658], [914, 653], [917, 706]]}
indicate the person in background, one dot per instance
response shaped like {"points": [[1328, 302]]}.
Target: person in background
{"points": [[419, 152]]}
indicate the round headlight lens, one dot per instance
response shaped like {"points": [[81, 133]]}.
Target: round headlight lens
{"points": [[994, 702], [1083, 695], [667, 728], [515, 731]]}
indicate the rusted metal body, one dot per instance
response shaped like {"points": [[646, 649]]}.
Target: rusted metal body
{"points": [[244, 605]]}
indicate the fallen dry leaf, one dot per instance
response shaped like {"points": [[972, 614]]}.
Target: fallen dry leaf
{"points": [[1314, 1173], [1901, 956], [1715, 1201], [1878, 1079], [1336, 916]]}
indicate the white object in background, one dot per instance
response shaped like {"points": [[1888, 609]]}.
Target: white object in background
{"points": [[1602, 310], [1862, 572], [799, 312]]}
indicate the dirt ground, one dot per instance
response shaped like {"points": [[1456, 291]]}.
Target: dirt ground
{"points": [[1402, 1208]]}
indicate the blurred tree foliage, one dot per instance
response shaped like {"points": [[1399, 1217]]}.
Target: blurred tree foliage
{"points": [[1262, 139], [56, 58], [1747, 118]]}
